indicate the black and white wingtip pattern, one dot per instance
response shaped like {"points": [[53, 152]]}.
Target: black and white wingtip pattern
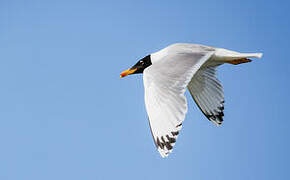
{"points": [[166, 142], [216, 116], [208, 94]]}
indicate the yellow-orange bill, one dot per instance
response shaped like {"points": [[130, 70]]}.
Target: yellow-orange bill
{"points": [[127, 72]]}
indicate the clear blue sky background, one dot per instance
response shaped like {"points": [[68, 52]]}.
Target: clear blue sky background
{"points": [[66, 114]]}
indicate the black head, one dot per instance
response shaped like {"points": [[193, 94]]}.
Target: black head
{"points": [[138, 67]]}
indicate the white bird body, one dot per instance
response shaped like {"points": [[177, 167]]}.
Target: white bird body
{"points": [[220, 54], [179, 67]]}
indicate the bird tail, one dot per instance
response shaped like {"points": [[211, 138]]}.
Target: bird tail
{"points": [[235, 58]]}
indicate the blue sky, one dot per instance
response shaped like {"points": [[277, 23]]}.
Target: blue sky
{"points": [[66, 114]]}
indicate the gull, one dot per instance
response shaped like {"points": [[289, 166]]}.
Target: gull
{"points": [[166, 76]]}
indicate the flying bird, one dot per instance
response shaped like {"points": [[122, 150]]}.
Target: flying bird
{"points": [[166, 76]]}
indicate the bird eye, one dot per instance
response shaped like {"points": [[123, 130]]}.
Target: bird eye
{"points": [[142, 62]]}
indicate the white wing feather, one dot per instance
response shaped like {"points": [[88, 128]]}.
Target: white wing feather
{"points": [[208, 94], [165, 82]]}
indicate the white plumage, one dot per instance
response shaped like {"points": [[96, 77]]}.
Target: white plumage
{"points": [[175, 68]]}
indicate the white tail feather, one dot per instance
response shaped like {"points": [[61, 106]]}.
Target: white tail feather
{"points": [[224, 55], [255, 55]]}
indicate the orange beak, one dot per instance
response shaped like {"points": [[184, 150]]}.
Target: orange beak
{"points": [[128, 72]]}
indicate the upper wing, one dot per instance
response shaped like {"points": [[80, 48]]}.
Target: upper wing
{"points": [[208, 94], [165, 83]]}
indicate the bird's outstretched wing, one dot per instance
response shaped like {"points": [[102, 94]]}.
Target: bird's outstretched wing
{"points": [[165, 83], [208, 94]]}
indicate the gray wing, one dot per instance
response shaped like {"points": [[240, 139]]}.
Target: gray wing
{"points": [[208, 94]]}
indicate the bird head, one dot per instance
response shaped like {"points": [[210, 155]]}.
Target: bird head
{"points": [[138, 67]]}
